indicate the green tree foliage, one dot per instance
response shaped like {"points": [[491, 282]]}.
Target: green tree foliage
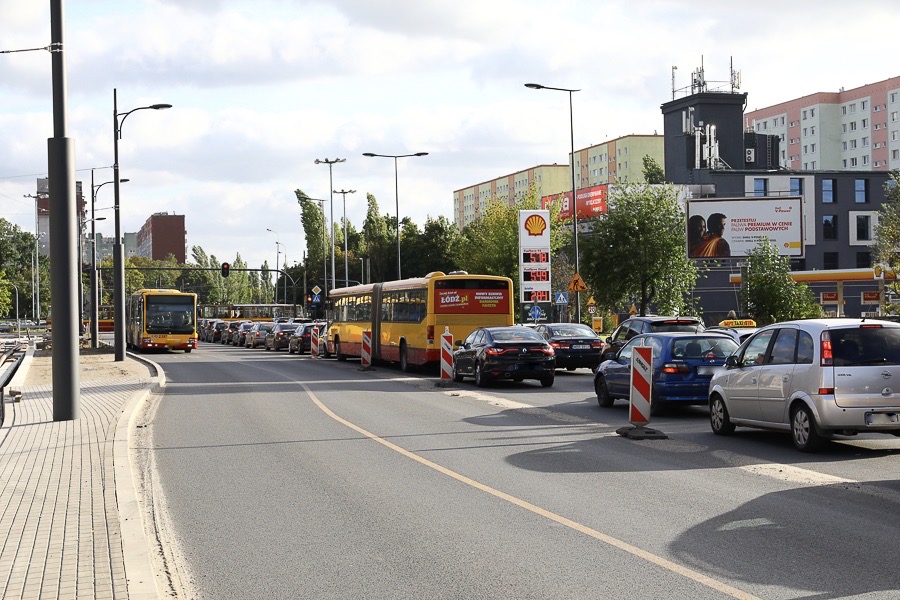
{"points": [[434, 249], [379, 231], [637, 252], [7, 300], [770, 294], [887, 234], [653, 172], [16, 260], [312, 219]]}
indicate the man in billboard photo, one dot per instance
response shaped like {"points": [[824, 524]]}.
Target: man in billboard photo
{"points": [[712, 245]]}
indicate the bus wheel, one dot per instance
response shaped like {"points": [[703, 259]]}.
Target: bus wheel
{"points": [[337, 350], [404, 358], [187, 350]]}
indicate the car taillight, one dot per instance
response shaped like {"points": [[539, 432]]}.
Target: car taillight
{"points": [[430, 333], [827, 359], [870, 326], [561, 345], [494, 351], [676, 368], [826, 391], [597, 345], [548, 350]]}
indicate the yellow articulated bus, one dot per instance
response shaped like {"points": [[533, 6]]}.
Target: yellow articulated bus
{"points": [[407, 317], [161, 319]]}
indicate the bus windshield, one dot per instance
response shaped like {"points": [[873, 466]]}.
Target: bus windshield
{"points": [[169, 314]]}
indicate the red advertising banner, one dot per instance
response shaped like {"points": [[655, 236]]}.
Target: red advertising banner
{"points": [[591, 202], [471, 301]]}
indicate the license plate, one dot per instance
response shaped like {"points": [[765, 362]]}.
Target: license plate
{"points": [[581, 346], [707, 370], [882, 418]]}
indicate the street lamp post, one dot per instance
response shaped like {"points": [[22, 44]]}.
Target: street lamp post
{"points": [[396, 194], [118, 246], [538, 86], [330, 162], [95, 295], [346, 258], [277, 254]]}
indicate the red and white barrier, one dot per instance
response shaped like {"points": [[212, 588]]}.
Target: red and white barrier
{"points": [[314, 341], [641, 384], [446, 355], [366, 356]]}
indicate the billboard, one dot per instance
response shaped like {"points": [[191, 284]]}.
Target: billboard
{"points": [[450, 301], [732, 227], [591, 202]]}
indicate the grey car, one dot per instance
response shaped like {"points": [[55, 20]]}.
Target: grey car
{"points": [[815, 378]]}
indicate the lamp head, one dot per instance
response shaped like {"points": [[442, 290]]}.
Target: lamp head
{"points": [[124, 180], [420, 154], [160, 106], [369, 154], [534, 86]]}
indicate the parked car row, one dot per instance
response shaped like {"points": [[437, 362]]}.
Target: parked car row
{"points": [[293, 334], [815, 379]]}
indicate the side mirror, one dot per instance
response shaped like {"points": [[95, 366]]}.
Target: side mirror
{"points": [[458, 343], [608, 340], [732, 361]]}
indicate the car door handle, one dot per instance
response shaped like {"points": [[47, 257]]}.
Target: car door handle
{"points": [[753, 380], [785, 377]]}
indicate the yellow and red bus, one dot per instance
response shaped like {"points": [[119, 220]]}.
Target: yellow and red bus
{"points": [[162, 320], [247, 312], [407, 317]]}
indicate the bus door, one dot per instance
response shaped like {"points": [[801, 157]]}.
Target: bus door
{"points": [[376, 321]]}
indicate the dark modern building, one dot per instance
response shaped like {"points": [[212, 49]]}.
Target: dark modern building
{"points": [[707, 148]]}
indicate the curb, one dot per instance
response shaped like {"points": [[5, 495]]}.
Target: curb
{"points": [[139, 571], [16, 385]]}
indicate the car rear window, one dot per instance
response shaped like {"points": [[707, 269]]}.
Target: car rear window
{"points": [[865, 345], [572, 331], [685, 326], [701, 347]]}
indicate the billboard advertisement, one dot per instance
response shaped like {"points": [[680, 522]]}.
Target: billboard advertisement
{"points": [[591, 202], [732, 227], [450, 301]]}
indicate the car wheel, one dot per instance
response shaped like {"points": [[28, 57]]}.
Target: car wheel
{"points": [[290, 349], [547, 381], [480, 377], [803, 430], [570, 368], [455, 374], [404, 358], [719, 420], [603, 397], [337, 350]]}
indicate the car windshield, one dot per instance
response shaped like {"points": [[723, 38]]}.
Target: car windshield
{"points": [[519, 334], [572, 331], [703, 347], [866, 345]]}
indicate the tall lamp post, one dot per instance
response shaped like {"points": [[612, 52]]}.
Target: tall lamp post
{"points": [[396, 194], [118, 246], [538, 86], [277, 254], [330, 162], [346, 258], [95, 296]]}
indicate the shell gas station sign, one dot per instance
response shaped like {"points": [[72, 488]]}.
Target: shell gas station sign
{"points": [[534, 256]]}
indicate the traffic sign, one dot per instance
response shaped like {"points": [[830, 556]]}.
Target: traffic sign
{"points": [[641, 375], [591, 309], [562, 298], [316, 298], [316, 290], [535, 312], [577, 284], [591, 301]]}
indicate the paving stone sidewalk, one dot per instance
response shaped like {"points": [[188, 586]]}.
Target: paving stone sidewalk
{"points": [[61, 531]]}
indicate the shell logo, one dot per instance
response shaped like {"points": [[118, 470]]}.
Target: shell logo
{"points": [[535, 225]]}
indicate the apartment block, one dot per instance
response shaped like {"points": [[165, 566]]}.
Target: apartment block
{"points": [[163, 234], [856, 130]]}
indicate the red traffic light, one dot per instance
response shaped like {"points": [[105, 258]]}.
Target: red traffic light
{"points": [[226, 269]]}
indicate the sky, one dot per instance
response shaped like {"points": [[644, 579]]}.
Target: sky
{"points": [[262, 88]]}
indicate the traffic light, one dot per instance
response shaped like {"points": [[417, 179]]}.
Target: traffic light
{"points": [[226, 269]]}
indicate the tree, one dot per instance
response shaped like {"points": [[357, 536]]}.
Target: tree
{"points": [[433, 249], [312, 219], [379, 241], [769, 292], [637, 251], [653, 173]]}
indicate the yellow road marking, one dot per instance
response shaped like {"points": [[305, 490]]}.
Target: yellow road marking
{"points": [[607, 539]]}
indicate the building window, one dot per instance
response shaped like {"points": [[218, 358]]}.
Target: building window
{"points": [[895, 154], [894, 116], [804, 115], [865, 159], [864, 123], [861, 191], [864, 104], [829, 227], [852, 144], [829, 260], [828, 191], [852, 125], [760, 186], [812, 147], [863, 228], [863, 260], [796, 186], [865, 142], [843, 110], [853, 162]]}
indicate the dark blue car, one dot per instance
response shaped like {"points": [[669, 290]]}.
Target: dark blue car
{"points": [[683, 364]]}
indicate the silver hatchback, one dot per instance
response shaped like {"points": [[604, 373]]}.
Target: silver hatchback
{"points": [[814, 378]]}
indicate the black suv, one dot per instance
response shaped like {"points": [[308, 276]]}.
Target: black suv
{"points": [[633, 326]]}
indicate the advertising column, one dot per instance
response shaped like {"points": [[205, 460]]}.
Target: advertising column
{"points": [[534, 264]]}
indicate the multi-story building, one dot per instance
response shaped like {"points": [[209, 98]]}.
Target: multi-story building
{"points": [[162, 234], [856, 130], [616, 161], [42, 213]]}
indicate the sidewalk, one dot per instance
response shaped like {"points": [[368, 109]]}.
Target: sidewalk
{"points": [[70, 524]]}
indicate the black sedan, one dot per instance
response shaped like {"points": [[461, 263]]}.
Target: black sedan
{"points": [[515, 353], [576, 345]]}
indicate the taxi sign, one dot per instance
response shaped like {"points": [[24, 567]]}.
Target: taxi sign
{"points": [[737, 323]]}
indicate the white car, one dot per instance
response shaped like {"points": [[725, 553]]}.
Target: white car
{"points": [[815, 378]]}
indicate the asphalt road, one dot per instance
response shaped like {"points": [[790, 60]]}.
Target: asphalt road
{"points": [[290, 477]]}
